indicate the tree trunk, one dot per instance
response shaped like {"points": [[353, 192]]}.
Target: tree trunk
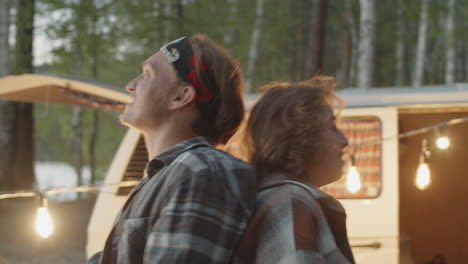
{"points": [[343, 73], [158, 7], [460, 58], [173, 13], [92, 144], [95, 113], [77, 115], [168, 28], [297, 59], [23, 127], [465, 49], [450, 48], [418, 74], [77, 124], [7, 146], [254, 46], [178, 14], [4, 36], [400, 47], [366, 44], [233, 10], [7, 109], [316, 38], [349, 18]]}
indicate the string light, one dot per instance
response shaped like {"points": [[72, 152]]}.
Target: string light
{"points": [[442, 141], [44, 223], [423, 175], [353, 178], [45, 227], [414, 132]]}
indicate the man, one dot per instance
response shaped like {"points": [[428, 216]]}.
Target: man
{"points": [[195, 202]]}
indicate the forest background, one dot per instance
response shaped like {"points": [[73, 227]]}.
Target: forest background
{"points": [[365, 44]]}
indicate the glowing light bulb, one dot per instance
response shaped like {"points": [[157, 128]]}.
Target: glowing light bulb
{"points": [[44, 223], [353, 180], [423, 177], [443, 142]]}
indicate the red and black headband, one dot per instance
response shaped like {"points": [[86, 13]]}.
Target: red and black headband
{"points": [[180, 53]]}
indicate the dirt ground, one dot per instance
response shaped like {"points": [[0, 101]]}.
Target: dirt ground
{"points": [[19, 243]]}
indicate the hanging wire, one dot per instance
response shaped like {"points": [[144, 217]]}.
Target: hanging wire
{"points": [[414, 132], [17, 194], [96, 188], [88, 188]]}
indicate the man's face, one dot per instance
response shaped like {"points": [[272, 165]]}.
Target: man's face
{"points": [[150, 92]]}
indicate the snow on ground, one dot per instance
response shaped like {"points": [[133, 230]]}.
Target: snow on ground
{"points": [[52, 174]]}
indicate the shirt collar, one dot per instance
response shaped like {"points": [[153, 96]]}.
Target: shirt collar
{"points": [[322, 197], [165, 158]]}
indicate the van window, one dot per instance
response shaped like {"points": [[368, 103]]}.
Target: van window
{"points": [[136, 166], [368, 158]]}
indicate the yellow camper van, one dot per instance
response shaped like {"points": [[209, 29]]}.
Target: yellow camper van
{"points": [[391, 218]]}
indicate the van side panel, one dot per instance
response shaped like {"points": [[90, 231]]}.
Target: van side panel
{"points": [[108, 203], [373, 222]]}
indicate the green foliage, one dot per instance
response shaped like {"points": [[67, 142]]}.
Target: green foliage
{"points": [[54, 135], [123, 33]]}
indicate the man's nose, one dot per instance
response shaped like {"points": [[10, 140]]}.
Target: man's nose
{"points": [[130, 87]]}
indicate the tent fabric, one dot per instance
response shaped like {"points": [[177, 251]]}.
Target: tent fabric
{"points": [[35, 88]]}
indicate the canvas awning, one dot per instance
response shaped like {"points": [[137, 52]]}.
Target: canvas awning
{"points": [[35, 88]]}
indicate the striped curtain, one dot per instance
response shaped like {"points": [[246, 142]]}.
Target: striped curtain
{"points": [[361, 131]]}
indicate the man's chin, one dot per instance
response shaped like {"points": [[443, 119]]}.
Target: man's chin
{"points": [[124, 120]]}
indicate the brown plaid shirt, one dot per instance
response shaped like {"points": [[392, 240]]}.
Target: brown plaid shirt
{"points": [[284, 227]]}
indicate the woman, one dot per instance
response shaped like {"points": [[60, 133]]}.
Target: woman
{"points": [[292, 140]]}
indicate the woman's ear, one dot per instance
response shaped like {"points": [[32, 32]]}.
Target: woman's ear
{"points": [[182, 97]]}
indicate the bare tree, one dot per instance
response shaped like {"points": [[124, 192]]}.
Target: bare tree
{"points": [[168, 28], [297, 62], [233, 10], [173, 15], [94, 71], [450, 44], [77, 125], [6, 108], [93, 134], [418, 74], [366, 44], [349, 20], [316, 38], [4, 36], [77, 115], [254, 46], [23, 131], [400, 46]]}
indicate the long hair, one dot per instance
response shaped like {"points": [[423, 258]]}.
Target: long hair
{"points": [[221, 117]]}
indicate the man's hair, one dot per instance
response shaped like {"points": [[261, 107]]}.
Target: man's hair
{"points": [[286, 126], [220, 118]]}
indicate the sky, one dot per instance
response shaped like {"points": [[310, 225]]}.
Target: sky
{"points": [[42, 44]]}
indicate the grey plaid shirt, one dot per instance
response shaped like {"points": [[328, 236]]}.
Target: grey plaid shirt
{"points": [[193, 208]]}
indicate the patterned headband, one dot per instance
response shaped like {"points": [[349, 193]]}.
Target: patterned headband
{"points": [[180, 53]]}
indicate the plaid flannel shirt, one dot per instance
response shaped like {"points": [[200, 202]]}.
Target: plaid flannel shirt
{"points": [[284, 228], [192, 208]]}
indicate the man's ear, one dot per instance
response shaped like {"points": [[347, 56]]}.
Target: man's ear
{"points": [[182, 97]]}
